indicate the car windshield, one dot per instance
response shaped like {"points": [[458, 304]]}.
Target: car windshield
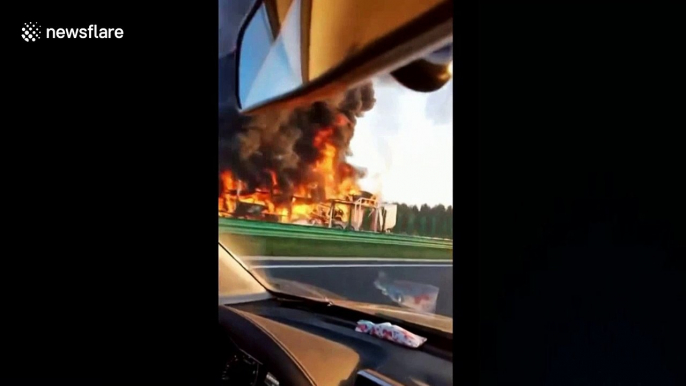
{"points": [[346, 199]]}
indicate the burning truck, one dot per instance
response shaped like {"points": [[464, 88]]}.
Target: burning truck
{"points": [[356, 212], [291, 167]]}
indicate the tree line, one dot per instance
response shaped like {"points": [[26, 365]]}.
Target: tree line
{"points": [[436, 221]]}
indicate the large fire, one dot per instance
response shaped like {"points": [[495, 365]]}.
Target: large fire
{"points": [[337, 180]]}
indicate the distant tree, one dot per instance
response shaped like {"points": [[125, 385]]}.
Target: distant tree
{"points": [[449, 213], [429, 221], [402, 219], [424, 213], [422, 225], [441, 223], [414, 221], [434, 225]]}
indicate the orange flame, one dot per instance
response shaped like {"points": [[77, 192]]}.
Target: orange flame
{"points": [[338, 179]]}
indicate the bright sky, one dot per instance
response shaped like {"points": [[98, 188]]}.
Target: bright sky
{"points": [[406, 144]]}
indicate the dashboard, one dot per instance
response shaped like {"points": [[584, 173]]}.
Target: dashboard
{"points": [[272, 342], [240, 368]]}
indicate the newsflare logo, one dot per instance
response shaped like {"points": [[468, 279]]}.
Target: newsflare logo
{"points": [[31, 32]]}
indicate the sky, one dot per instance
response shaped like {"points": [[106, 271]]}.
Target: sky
{"points": [[406, 144]]}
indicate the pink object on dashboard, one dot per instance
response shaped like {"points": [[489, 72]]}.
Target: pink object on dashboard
{"points": [[390, 332]]}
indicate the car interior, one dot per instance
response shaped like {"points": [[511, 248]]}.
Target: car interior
{"points": [[271, 339]]}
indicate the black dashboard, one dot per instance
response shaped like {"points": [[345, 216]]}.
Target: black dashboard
{"points": [[275, 342], [240, 368]]}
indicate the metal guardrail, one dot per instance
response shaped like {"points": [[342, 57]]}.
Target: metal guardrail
{"points": [[293, 231]]}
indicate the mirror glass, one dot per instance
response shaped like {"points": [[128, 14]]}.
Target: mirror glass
{"points": [[269, 58]]}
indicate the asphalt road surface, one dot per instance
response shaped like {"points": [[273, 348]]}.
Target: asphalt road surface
{"points": [[353, 278]]}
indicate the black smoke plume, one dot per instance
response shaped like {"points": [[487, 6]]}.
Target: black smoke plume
{"points": [[284, 142]]}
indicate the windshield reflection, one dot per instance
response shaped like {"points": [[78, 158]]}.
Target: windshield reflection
{"points": [[416, 296], [356, 282]]}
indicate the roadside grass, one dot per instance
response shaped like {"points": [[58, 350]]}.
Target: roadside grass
{"points": [[245, 245]]}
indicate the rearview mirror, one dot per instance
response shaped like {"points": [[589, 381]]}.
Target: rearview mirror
{"points": [[291, 52]]}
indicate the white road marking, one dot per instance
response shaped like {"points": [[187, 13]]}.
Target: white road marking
{"points": [[291, 258], [347, 266]]}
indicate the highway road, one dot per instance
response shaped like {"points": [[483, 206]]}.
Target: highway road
{"points": [[354, 278]]}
